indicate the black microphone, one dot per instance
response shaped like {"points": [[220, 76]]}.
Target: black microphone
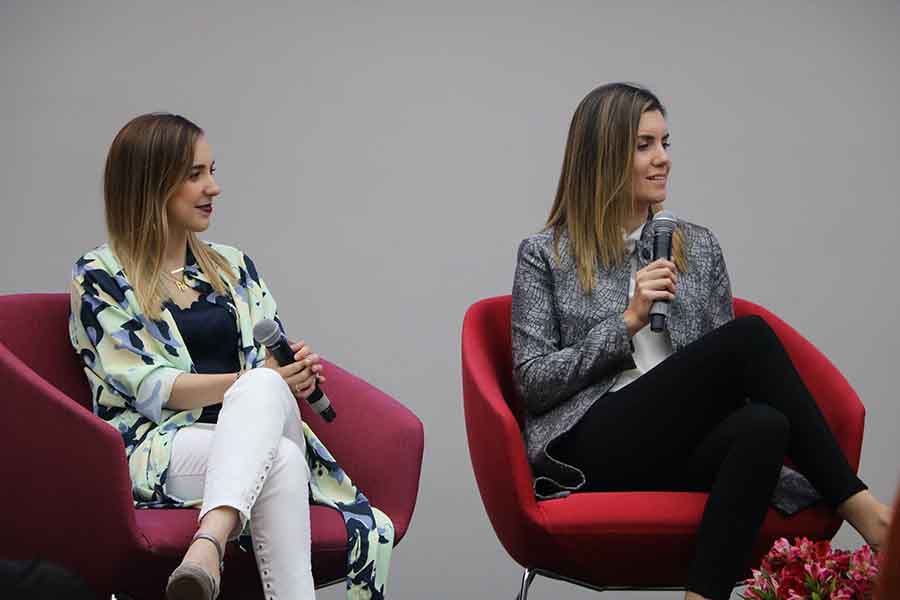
{"points": [[268, 333], [663, 227]]}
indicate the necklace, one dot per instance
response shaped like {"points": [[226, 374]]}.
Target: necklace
{"points": [[179, 283]]}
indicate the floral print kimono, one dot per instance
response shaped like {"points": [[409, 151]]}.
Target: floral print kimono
{"points": [[131, 362]]}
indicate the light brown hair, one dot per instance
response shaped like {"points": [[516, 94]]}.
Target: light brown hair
{"points": [[595, 195], [148, 160]]}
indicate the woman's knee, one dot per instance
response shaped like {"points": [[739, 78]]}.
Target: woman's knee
{"points": [[768, 425], [262, 386], [752, 336], [753, 326]]}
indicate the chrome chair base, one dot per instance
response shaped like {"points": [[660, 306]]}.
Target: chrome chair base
{"points": [[529, 575]]}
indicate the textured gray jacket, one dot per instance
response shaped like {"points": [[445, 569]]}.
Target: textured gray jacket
{"points": [[569, 347]]}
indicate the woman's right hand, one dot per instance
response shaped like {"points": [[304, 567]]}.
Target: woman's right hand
{"points": [[654, 282]]}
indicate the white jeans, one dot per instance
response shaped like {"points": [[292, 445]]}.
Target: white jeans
{"points": [[254, 460]]}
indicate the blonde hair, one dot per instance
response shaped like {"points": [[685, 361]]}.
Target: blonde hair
{"points": [[148, 160], [595, 195]]}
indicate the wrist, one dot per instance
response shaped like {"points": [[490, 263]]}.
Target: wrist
{"points": [[632, 322]]}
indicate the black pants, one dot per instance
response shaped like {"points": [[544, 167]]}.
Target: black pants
{"points": [[687, 425]]}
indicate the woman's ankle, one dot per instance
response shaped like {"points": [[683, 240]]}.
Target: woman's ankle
{"points": [[867, 515], [219, 523]]}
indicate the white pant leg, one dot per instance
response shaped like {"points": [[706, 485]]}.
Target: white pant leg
{"points": [[190, 455], [257, 465]]}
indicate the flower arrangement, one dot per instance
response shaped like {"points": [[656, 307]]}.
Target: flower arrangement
{"points": [[810, 570]]}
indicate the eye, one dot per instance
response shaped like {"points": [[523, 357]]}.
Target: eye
{"points": [[194, 176], [667, 144], [643, 146], [212, 170]]}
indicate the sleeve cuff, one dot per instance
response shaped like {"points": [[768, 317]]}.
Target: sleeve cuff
{"points": [[612, 336], [154, 391]]}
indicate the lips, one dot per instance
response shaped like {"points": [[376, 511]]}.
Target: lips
{"points": [[207, 208]]}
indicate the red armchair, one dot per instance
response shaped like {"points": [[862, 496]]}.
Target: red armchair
{"points": [[67, 493], [621, 540]]}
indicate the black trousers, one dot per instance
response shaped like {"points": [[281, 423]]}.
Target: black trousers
{"points": [[687, 425]]}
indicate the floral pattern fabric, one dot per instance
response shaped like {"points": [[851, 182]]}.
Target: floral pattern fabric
{"points": [[131, 362]]}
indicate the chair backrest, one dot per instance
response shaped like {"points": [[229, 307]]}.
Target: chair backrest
{"points": [[34, 327], [495, 439], [491, 326]]}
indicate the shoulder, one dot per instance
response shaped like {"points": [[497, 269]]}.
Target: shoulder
{"points": [[238, 259], [699, 239], [232, 254], [540, 244], [97, 260], [98, 275]]}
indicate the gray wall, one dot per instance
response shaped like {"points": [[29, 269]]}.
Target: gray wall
{"points": [[381, 165]]}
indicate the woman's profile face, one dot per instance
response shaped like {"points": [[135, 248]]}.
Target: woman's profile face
{"points": [[650, 172], [191, 206]]}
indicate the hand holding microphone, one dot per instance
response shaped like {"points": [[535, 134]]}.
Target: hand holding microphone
{"points": [[663, 231], [297, 364], [654, 285]]}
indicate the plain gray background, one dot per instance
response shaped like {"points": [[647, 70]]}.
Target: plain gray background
{"points": [[381, 164]]}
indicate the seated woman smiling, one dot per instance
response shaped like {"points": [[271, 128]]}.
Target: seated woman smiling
{"points": [[611, 404], [164, 325]]}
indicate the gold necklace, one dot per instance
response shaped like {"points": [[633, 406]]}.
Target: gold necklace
{"points": [[179, 283]]}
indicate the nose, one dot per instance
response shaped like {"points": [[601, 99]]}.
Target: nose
{"points": [[661, 157], [212, 190]]}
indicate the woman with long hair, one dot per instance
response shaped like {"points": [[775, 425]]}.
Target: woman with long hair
{"points": [[710, 403], [164, 325]]}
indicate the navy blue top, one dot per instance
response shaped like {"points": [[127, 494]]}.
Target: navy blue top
{"points": [[210, 333]]}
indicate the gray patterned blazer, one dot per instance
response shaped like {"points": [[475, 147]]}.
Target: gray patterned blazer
{"points": [[569, 347]]}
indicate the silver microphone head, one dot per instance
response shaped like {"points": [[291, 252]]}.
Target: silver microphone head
{"points": [[266, 332], [664, 222]]}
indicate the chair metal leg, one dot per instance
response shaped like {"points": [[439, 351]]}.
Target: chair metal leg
{"points": [[527, 578]]}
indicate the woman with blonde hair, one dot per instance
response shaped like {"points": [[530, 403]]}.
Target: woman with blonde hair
{"points": [[613, 405], [164, 325]]}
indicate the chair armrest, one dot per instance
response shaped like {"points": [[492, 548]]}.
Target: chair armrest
{"points": [[68, 491], [837, 400], [376, 440]]}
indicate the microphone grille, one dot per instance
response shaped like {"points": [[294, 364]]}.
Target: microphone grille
{"points": [[266, 332], [664, 221]]}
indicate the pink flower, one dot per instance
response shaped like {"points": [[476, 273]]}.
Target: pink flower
{"points": [[843, 593], [822, 549], [807, 569], [839, 560]]}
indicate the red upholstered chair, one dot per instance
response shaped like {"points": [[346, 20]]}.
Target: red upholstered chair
{"points": [[66, 490], [613, 540]]}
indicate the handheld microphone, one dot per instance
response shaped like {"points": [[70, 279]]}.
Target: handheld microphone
{"points": [[268, 333], [663, 227]]}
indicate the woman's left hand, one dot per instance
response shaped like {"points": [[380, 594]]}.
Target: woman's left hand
{"points": [[303, 382]]}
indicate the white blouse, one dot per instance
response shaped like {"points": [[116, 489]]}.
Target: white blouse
{"points": [[650, 348]]}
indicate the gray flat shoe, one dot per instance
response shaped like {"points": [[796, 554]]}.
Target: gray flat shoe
{"points": [[190, 581]]}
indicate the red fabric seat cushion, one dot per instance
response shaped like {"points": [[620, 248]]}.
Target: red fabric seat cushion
{"points": [[619, 538]]}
